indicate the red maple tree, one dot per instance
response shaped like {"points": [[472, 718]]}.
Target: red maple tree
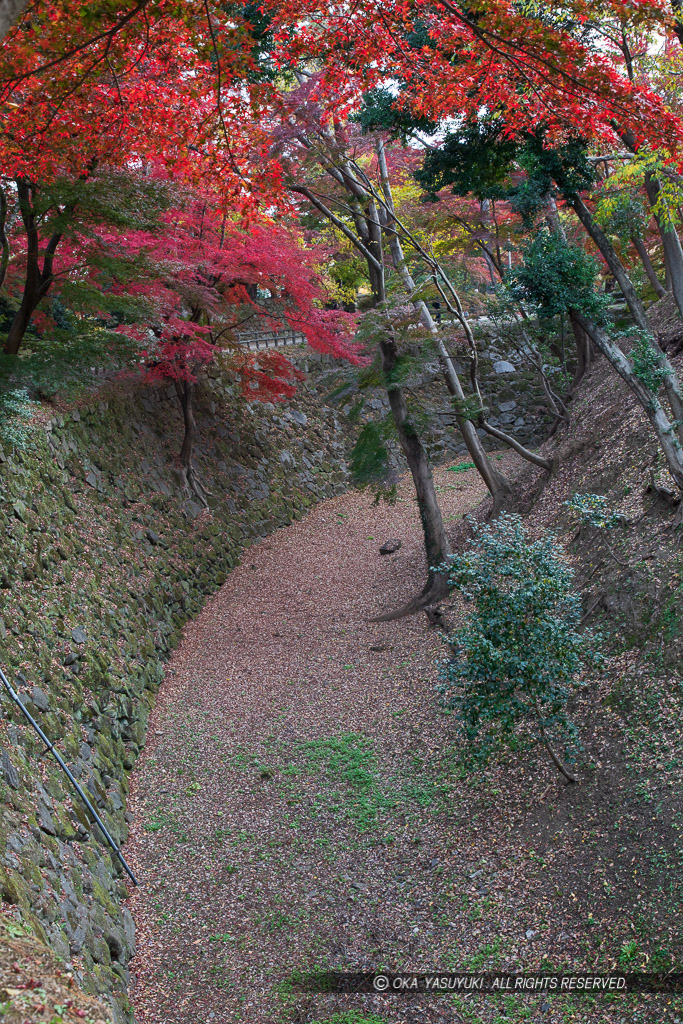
{"points": [[205, 279], [525, 65]]}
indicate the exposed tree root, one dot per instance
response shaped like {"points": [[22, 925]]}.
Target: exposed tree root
{"points": [[672, 498], [668, 495], [625, 565], [591, 609], [434, 591], [436, 616], [194, 487]]}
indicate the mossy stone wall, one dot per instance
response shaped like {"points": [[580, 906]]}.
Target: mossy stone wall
{"points": [[105, 557]]}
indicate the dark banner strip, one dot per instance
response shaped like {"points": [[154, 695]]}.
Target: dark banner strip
{"points": [[442, 982]]}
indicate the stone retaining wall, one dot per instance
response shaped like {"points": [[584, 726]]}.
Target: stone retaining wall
{"points": [[512, 393], [105, 558]]}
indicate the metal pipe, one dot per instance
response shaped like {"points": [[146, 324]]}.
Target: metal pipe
{"points": [[58, 758]]}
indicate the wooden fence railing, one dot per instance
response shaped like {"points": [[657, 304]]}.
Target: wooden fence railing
{"points": [[255, 340]]}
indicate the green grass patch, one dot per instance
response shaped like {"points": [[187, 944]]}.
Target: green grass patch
{"points": [[351, 786], [161, 818], [348, 763]]}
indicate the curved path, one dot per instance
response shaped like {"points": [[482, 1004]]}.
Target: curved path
{"points": [[294, 807]]}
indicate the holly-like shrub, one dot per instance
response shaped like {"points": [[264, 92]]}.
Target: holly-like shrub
{"points": [[556, 277], [519, 656], [594, 510]]}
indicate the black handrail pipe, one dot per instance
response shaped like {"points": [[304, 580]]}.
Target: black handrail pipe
{"points": [[74, 782]]}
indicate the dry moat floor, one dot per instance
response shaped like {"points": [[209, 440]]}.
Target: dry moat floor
{"points": [[303, 803]]}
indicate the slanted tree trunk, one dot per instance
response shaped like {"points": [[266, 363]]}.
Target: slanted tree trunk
{"points": [[671, 243], [20, 323], [615, 265], [497, 484], [672, 384], [644, 255], [661, 424], [561, 767]]}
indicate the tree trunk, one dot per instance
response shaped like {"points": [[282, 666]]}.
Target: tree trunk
{"points": [[368, 240], [434, 533], [10, 10], [562, 768], [500, 435], [583, 352], [672, 385], [678, 20], [615, 265], [4, 241], [37, 282], [581, 339], [674, 393], [185, 392], [497, 484], [36, 287], [639, 246], [485, 207], [22, 318], [662, 426], [671, 243], [436, 544], [184, 389]]}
